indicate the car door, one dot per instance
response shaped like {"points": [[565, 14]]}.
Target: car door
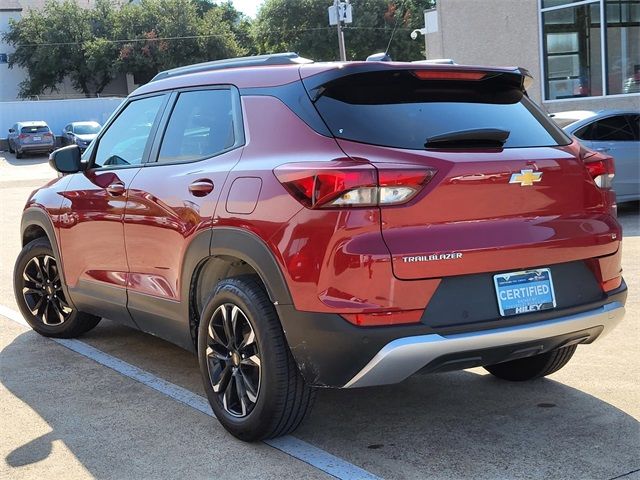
{"points": [[614, 136], [91, 235], [171, 203]]}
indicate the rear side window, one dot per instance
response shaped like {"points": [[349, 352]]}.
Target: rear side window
{"points": [[615, 128], [397, 109], [201, 126], [35, 129]]}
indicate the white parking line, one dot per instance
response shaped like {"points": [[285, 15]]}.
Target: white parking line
{"points": [[314, 456]]}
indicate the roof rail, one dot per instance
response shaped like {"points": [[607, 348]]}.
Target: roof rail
{"points": [[289, 58]]}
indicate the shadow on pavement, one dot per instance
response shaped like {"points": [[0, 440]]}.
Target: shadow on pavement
{"points": [[469, 425], [455, 425], [114, 427], [26, 160]]}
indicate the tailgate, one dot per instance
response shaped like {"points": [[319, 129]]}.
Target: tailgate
{"points": [[510, 191], [470, 219]]}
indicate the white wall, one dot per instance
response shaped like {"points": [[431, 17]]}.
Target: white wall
{"points": [[57, 113]]}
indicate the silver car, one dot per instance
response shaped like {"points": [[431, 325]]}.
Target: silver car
{"points": [[80, 133], [31, 137], [616, 133]]}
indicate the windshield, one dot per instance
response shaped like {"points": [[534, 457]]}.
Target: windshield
{"points": [[398, 109], [86, 129]]}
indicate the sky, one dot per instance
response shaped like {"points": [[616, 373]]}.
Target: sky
{"points": [[248, 7]]}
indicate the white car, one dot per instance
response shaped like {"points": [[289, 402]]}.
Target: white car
{"points": [[616, 133]]}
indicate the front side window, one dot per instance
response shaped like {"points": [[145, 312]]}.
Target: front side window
{"points": [[125, 140], [201, 125]]}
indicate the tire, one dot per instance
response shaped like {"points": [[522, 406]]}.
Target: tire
{"points": [[44, 305], [275, 396], [19, 154], [10, 147], [533, 367]]}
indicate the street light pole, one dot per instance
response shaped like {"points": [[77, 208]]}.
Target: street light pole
{"points": [[341, 46]]}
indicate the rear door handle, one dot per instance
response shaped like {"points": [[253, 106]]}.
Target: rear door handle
{"points": [[116, 189], [201, 187]]}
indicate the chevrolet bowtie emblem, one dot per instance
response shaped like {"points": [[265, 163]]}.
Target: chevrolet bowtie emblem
{"points": [[526, 178]]}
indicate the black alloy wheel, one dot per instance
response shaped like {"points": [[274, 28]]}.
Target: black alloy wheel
{"points": [[233, 359], [42, 290]]}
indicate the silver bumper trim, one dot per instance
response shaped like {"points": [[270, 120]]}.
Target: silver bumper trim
{"points": [[405, 356]]}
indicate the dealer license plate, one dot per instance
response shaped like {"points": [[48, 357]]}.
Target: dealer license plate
{"points": [[524, 292]]}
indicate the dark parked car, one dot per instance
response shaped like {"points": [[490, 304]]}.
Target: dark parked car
{"points": [[343, 225], [80, 133], [30, 137], [616, 133]]}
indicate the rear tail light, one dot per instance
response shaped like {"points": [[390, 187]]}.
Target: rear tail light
{"points": [[347, 183], [601, 167], [23, 135]]}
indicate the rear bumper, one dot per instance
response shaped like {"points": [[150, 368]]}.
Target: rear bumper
{"points": [[331, 352], [405, 356], [45, 147]]}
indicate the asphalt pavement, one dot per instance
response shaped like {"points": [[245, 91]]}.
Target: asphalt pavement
{"points": [[64, 414]]}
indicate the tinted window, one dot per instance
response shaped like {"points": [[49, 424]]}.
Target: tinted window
{"points": [[397, 109], [126, 138], [634, 121], [608, 129], [201, 126], [35, 129]]}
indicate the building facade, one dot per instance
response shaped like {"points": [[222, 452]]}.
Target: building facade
{"points": [[583, 54]]}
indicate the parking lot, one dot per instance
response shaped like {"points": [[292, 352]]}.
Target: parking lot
{"points": [[65, 414]]}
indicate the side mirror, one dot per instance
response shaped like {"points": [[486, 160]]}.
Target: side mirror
{"points": [[11, 130], [66, 159]]}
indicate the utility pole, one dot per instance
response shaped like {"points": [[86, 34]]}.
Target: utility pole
{"points": [[338, 13], [343, 50]]}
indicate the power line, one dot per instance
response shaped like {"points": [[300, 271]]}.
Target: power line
{"points": [[188, 37]]}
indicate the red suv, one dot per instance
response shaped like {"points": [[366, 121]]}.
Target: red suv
{"points": [[304, 225]]}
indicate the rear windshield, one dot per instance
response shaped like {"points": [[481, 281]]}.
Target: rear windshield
{"points": [[35, 129], [397, 109]]}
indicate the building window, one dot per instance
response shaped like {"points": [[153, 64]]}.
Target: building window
{"points": [[583, 60], [623, 46]]}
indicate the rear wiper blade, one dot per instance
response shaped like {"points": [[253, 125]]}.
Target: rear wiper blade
{"points": [[477, 137]]}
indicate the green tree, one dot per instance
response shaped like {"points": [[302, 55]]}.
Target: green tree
{"points": [[63, 40], [302, 26], [164, 34], [91, 46]]}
